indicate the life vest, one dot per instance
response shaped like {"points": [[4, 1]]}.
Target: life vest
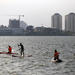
{"points": [[56, 54], [10, 49]]}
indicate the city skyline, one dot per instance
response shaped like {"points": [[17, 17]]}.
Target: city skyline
{"points": [[36, 12]]}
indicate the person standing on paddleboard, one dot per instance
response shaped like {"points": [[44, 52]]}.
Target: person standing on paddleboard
{"points": [[9, 49], [21, 49], [56, 55]]}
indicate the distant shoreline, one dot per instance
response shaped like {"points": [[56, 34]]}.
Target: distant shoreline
{"points": [[37, 35]]}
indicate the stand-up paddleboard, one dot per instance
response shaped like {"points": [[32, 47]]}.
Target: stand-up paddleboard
{"points": [[7, 53], [56, 61], [14, 55], [18, 56]]}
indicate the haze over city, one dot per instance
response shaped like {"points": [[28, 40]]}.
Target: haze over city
{"points": [[36, 12]]}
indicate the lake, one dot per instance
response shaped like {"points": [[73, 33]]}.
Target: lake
{"points": [[42, 49]]}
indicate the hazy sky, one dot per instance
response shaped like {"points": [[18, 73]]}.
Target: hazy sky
{"points": [[36, 12]]}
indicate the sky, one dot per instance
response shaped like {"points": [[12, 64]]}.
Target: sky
{"points": [[36, 12]]}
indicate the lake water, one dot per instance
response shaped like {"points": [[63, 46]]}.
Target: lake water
{"points": [[41, 48]]}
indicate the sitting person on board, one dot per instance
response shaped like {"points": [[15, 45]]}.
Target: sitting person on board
{"points": [[21, 49], [9, 49], [56, 55]]}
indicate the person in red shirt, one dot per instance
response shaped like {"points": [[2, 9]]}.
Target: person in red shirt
{"points": [[56, 55], [9, 49]]}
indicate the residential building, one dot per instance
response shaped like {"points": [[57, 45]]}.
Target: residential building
{"points": [[56, 21], [70, 22]]}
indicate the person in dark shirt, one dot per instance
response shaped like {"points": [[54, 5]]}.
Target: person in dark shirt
{"points": [[21, 49]]}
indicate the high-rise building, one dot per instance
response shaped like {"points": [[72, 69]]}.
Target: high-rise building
{"points": [[14, 23], [56, 21], [70, 22], [23, 25]]}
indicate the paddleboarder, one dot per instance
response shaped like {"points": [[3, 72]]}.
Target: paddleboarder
{"points": [[21, 49], [56, 55], [9, 49]]}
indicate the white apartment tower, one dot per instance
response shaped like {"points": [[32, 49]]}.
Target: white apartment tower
{"points": [[57, 21], [70, 22]]}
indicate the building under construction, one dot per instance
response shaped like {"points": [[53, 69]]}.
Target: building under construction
{"points": [[14, 23]]}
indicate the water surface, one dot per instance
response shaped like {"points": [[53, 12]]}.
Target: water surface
{"points": [[41, 48]]}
